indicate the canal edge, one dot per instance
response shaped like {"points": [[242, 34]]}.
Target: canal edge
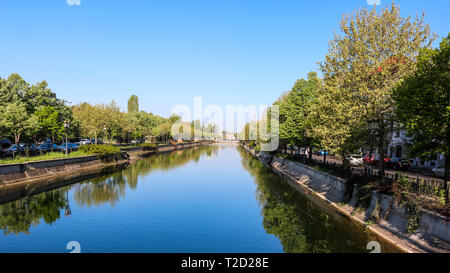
{"points": [[380, 232]]}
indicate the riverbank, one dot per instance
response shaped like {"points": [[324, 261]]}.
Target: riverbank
{"points": [[327, 190], [24, 179]]}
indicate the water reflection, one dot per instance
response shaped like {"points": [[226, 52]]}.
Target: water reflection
{"points": [[300, 225], [18, 216], [112, 187], [211, 206]]}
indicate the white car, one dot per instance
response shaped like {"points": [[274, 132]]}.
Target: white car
{"points": [[355, 160], [85, 141], [438, 172]]}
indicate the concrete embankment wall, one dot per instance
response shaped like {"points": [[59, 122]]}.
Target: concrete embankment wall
{"points": [[18, 180], [431, 236], [22, 167], [32, 167], [179, 146]]}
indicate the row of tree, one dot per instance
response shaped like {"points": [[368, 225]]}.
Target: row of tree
{"points": [[380, 67], [33, 112], [107, 120], [30, 111]]}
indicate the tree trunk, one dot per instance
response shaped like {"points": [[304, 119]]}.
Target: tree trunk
{"points": [[381, 151], [16, 140], [310, 152], [446, 176], [324, 156]]}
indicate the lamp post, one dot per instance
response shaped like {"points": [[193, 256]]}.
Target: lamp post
{"points": [[66, 126], [373, 126]]}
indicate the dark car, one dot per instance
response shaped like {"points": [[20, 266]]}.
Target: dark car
{"points": [[4, 145], [13, 150], [68, 146], [398, 164], [374, 161], [321, 152], [30, 148], [47, 147]]}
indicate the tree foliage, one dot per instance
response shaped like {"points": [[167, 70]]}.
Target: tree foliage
{"points": [[133, 104], [423, 104]]}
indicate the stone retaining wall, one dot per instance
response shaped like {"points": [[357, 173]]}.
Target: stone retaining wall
{"points": [[22, 167], [431, 236]]}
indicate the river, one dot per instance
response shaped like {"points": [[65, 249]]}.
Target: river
{"points": [[213, 198]]}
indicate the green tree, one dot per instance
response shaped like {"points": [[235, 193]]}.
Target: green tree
{"points": [[50, 122], [371, 55], [133, 104], [294, 111], [13, 89], [423, 105], [14, 118], [90, 118]]}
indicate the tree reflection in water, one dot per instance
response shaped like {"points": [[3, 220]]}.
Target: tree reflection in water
{"points": [[18, 216], [299, 224]]}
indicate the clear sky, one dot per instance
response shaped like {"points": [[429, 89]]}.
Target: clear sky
{"points": [[166, 52]]}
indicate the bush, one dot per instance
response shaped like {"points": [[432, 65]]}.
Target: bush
{"points": [[105, 153], [148, 146]]}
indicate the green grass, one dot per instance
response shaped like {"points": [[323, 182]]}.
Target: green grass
{"points": [[138, 145], [48, 156]]}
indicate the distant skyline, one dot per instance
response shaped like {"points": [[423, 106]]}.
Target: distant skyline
{"points": [[167, 53]]}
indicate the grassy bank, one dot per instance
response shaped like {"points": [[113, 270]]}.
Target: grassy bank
{"points": [[48, 156]]}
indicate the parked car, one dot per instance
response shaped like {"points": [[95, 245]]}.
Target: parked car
{"points": [[398, 164], [321, 152], [68, 146], [24, 148], [438, 172], [30, 148], [85, 141], [354, 160], [13, 149], [47, 147], [4, 145], [375, 160], [135, 141]]}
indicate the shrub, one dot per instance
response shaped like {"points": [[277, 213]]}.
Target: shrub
{"points": [[105, 153], [257, 147], [148, 146]]}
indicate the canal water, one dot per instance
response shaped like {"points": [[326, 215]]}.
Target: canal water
{"points": [[213, 198]]}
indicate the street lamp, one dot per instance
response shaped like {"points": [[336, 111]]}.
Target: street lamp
{"points": [[66, 126], [373, 126]]}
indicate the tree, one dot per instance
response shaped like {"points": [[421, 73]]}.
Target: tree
{"points": [[423, 105], [13, 89], [14, 118], [50, 122], [374, 52], [112, 120], [299, 100], [133, 104], [90, 117], [162, 131]]}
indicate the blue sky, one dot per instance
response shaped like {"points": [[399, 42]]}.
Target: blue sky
{"points": [[167, 52]]}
